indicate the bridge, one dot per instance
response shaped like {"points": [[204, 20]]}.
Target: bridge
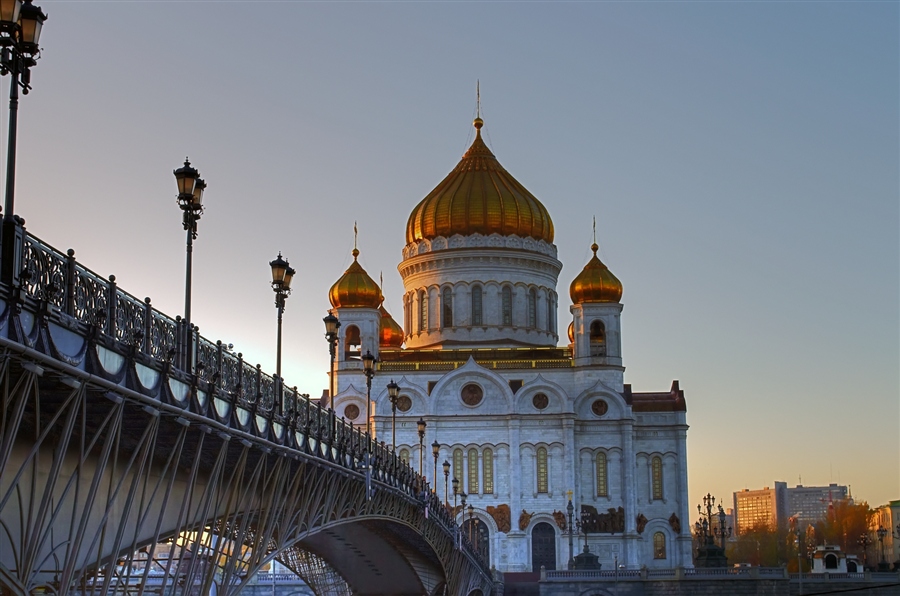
{"points": [[127, 438]]}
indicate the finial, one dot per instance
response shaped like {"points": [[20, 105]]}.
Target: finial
{"points": [[478, 123], [381, 279], [594, 246], [355, 252]]}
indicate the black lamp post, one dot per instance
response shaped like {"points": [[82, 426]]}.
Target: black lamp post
{"points": [[20, 32], [282, 274], [455, 484], [446, 466], [393, 393], [190, 200], [882, 532], [471, 511], [570, 512], [864, 541], [708, 553], [435, 451], [331, 328], [369, 369], [420, 426]]}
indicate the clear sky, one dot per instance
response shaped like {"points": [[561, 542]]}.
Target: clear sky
{"points": [[741, 159]]}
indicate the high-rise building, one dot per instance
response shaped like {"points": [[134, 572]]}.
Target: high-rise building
{"points": [[809, 504], [519, 420], [767, 507]]}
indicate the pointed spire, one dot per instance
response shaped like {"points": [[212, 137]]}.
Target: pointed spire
{"points": [[355, 252], [478, 123], [594, 246]]}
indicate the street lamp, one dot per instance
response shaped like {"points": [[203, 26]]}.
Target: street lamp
{"points": [[471, 526], [455, 484], [570, 511], [420, 425], [393, 393], [435, 451], [282, 274], [864, 541], [190, 200], [369, 369], [882, 532], [446, 465], [20, 32], [331, 327]]}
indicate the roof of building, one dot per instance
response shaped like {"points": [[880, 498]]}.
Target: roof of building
{"points": [[479, 197], [595, 283], [355, 289], [673, 401]]}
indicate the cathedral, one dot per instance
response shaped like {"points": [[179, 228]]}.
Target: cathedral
{"points": [[513, 423]]}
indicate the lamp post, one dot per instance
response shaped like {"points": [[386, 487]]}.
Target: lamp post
{"points": [[471, 511], [455, 484], [282, 274], [446, 466], [190, 200], [420, 425], [570, 512], [331, 336], [435, 451], [864, 541], [369, 369], [393, 393], [882, 532], [20, 32]]}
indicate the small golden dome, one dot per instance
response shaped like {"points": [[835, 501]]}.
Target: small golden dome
{"points": [[595, 283], [355, 289], [389, 331], [479, 197], [572, 332]]}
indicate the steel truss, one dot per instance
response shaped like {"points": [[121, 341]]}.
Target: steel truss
{"points": [[107, 450]]}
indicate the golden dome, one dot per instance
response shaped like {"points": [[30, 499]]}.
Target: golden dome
{"points": [[389, 331], [572, 332], [595, 283], [355, 289], [479, 197]]}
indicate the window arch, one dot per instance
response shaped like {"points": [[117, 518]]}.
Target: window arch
{"points": [[404, 456], [602, 484], [423, 311], [476, 306], [659, 545], [598, 338], [447, 307], [506, 306], [487, 463], [532, 308], [543, 484], [458, 466], [656, 477], [351, 342], [473, 472]]}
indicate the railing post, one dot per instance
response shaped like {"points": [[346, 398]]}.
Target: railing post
{"points": [[69, 305], [220, 360], [148, 325], [111, 306], [179, 341], [259, 394], [239, 386]]}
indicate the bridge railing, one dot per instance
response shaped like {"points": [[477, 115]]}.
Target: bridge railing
{"points": [[218, 383]]}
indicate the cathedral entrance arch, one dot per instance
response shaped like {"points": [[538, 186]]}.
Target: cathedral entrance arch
{"points": [[477, 533], [543, 547]]}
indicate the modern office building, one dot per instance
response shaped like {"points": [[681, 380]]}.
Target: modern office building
{"points": [[809, 504], [767, 507], [520, 421]]}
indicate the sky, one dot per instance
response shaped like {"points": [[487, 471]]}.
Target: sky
{"points": [[741, 159]]}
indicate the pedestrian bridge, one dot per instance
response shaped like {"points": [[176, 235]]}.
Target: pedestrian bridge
{"points": [[124, 434]]}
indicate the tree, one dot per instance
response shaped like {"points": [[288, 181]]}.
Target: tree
{"points": [[843, 525], [764, 546]]}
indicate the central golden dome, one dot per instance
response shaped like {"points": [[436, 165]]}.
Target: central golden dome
{"points": [[479, 197]]}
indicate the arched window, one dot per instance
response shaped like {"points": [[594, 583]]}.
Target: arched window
{"points": [[458, 466], [487, 463], [659, 545], [532, 308], [598, 338], [506, 305], [602, 486], [404, 456], [351, 342], [407, 314], [831, 561], [473, 472], [476, 306], [543, 484], [447, 308], [423, 311], [656, 474]]}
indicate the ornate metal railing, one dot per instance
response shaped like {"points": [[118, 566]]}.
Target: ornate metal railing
{"points": [[217, 382]]}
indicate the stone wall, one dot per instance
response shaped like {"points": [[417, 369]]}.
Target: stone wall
{"points": [[704, 587]]}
